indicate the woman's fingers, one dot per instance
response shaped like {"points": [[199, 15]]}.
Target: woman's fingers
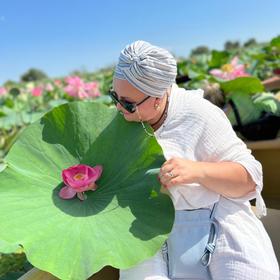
{"points": [[166, 178], [169, 174]]}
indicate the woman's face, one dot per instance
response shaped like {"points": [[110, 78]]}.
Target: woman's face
{"points": [[146, 111]]}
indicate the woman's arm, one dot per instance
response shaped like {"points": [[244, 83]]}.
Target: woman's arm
{"points": [[229, 179]]}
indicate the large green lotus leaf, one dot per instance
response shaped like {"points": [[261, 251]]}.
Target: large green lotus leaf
{"points": [[122, 223], [8, 248]]}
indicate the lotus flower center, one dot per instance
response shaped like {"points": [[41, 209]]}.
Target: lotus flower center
{"points": [[227, 68], [79, 176]]}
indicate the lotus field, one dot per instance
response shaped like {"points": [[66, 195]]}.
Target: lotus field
{"points": [[72, 200]]}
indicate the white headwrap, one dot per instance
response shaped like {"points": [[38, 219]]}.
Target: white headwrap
{"points": [[148, 68]]}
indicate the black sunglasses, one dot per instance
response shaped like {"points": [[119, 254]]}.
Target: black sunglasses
{"points": [[128, 106]]}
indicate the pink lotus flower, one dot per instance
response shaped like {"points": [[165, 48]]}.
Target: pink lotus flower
{"points": [[37, 91], [3, 91], [230, 71], [78, 179], [76, 87]]}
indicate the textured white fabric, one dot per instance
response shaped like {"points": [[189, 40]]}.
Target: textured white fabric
{"points": [[196, 129], [243, 250], [149, 68]]}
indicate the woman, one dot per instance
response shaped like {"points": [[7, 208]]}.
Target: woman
{"points": [[206, 163]]}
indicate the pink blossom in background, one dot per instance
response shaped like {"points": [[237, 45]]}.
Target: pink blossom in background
{"points": [[230, 71], [92, 89], [77, 88], [37, 91], [79, 178], [49, 87], [3, 91], [58, 82]]}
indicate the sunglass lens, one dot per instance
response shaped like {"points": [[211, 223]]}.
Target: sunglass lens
{"points": [[130, 107]]}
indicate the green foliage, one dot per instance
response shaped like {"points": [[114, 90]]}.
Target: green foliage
{"points": [[245, 85], [200, 50], [231, 45], [251, 42], [33, 75], [10, 84], [218, 58], [246, 108], [14, 92], [16, 263], [275, 42], [123, 222]]}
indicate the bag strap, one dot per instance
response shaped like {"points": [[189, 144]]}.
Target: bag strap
{"points": [[211, 244], [213, 211]]}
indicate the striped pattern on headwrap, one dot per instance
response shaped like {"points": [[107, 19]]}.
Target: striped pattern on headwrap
{"points": [[149, 68]]}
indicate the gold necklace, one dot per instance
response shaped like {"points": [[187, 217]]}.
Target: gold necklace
{"points": [[163, 117], [144, 127]]}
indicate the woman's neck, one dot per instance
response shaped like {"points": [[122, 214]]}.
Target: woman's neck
{"points": [[158, 121]]}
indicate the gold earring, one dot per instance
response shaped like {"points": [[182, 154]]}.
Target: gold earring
{"points": [[157, 107]]}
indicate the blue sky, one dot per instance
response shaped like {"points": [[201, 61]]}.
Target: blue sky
{"points": [[59, 36]]}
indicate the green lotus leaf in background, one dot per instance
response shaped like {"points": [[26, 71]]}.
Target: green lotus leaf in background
{"points": [[247, 110], [123, 222], [246, 85], [275, 42], [218, 58]]}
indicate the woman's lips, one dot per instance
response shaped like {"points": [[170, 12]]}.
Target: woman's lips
{"points": [[124, 113]]}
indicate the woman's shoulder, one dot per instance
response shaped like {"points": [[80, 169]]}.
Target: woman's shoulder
{"points": [[191, 103], [186, 94]]}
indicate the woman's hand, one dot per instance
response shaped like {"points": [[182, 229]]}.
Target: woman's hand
{"points": [[177, 171]]}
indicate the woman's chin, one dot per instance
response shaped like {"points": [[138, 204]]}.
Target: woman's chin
{"points": [[129, 117]]}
